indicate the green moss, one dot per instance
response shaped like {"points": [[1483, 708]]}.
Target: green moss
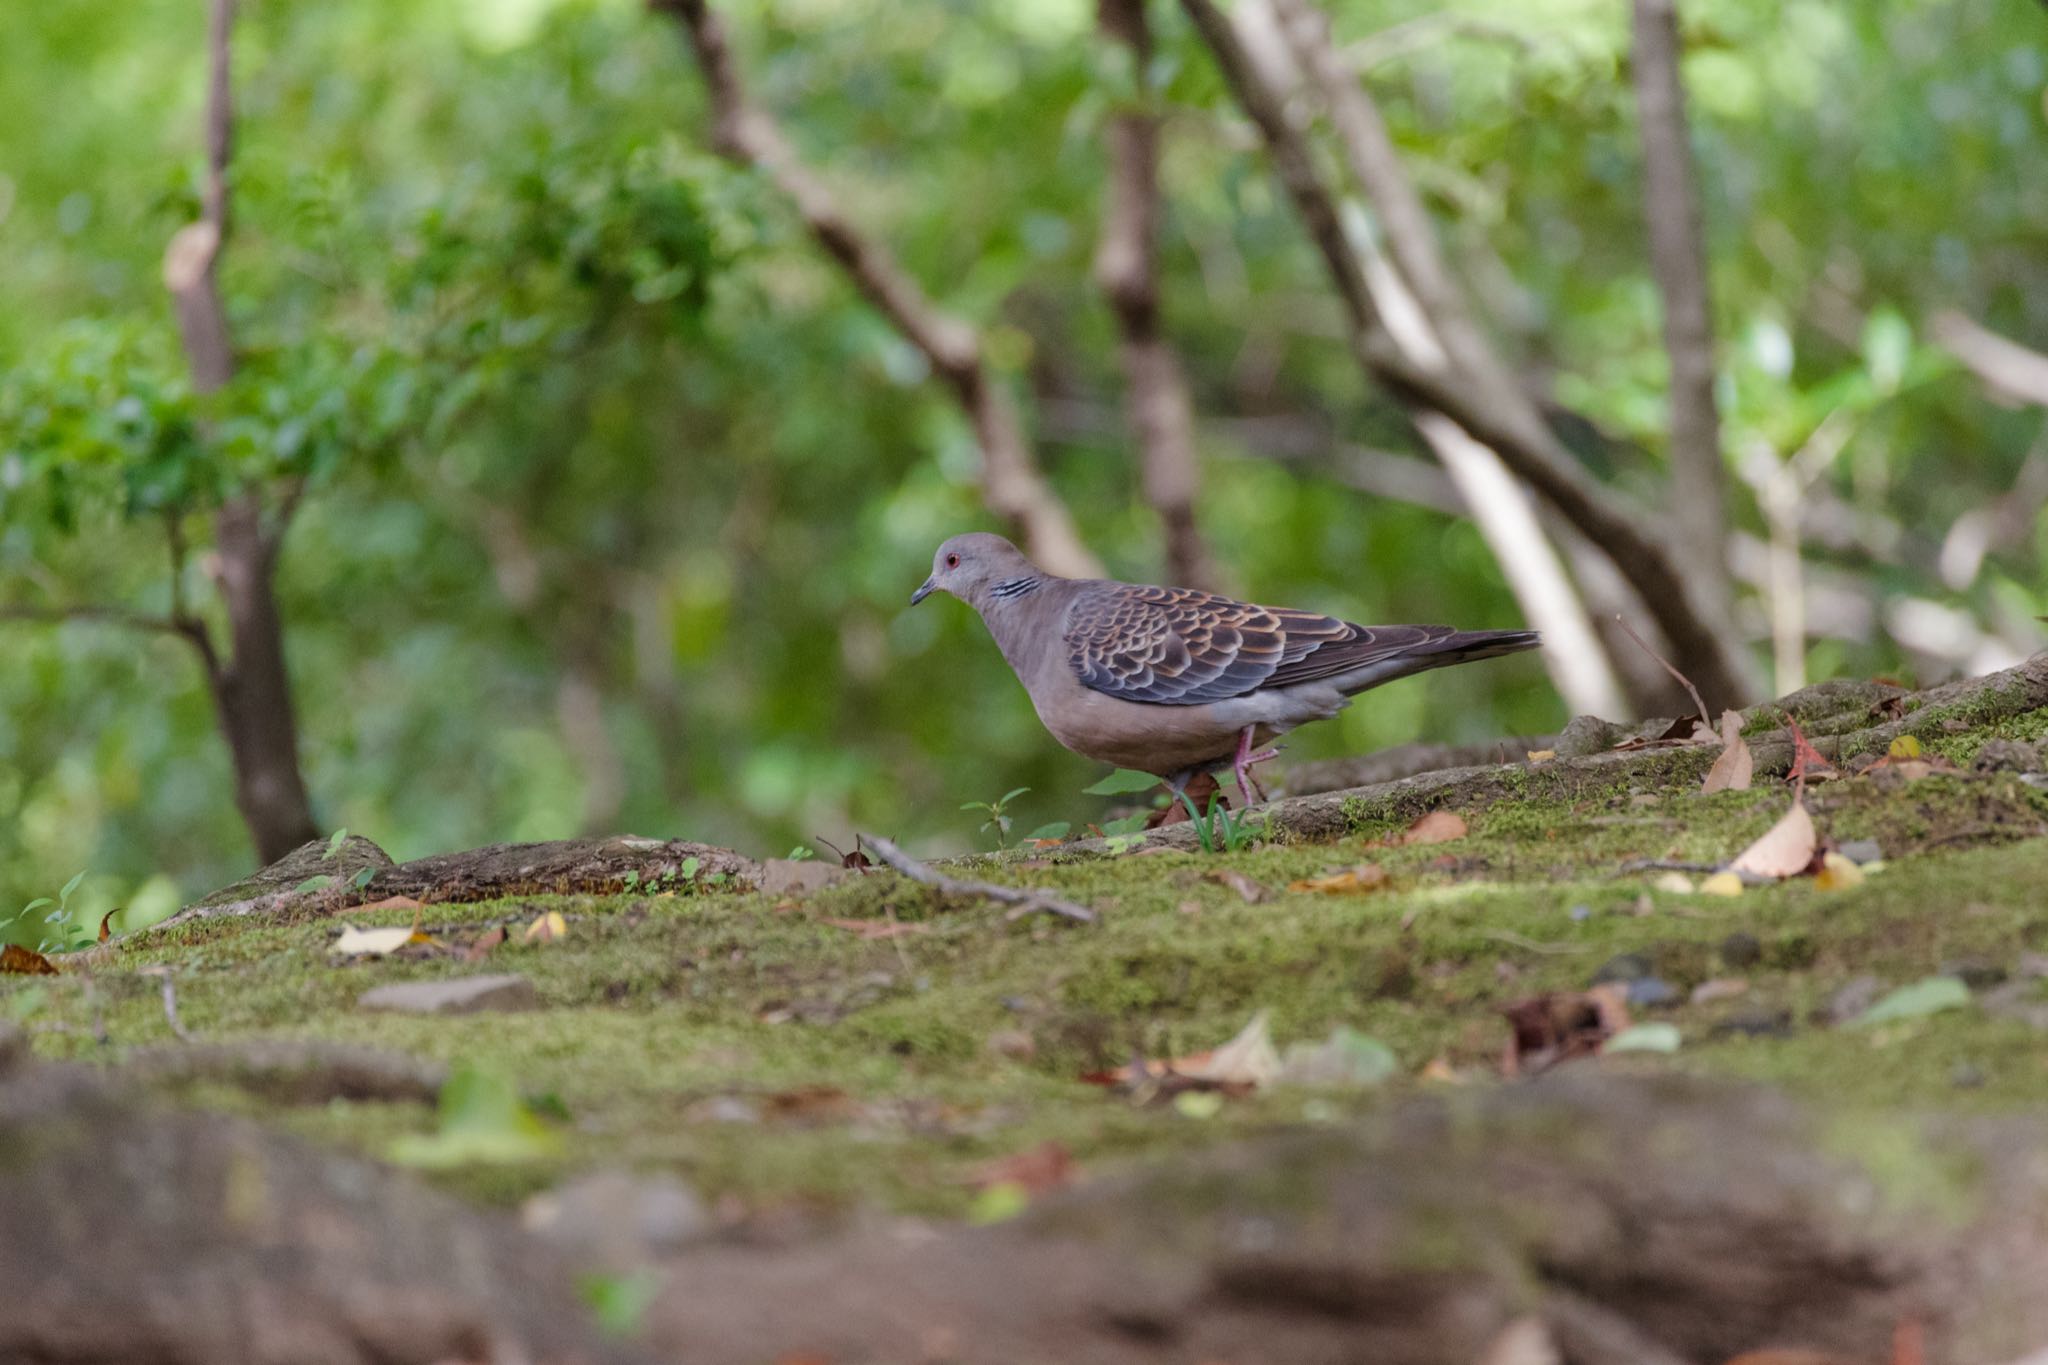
{"points": [[763, 1052]]}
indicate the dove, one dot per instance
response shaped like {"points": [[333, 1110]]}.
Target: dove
{"points": [[1175, 681]]}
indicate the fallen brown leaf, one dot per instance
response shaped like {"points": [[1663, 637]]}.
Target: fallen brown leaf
{"points": [[1437, 827], [1541, 755], [1786, 849], [479, 948], [810, 1104], [1557, 1026], [389, 903], [1735, 767], [1035, 1170], [877, 928], [25, 962], [1249, 891], [1353, 881], [1245, 1062], [1807, 761]]}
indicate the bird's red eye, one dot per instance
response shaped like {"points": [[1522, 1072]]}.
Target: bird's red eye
{"points": [[952, 561]]}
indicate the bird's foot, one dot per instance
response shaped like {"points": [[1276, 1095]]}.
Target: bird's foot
{"points": [[1248, 786]]}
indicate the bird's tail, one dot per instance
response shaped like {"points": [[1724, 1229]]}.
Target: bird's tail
{"points": [[1456, 647]]}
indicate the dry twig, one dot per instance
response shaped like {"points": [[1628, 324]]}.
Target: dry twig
{"points": [[1024, 900]]}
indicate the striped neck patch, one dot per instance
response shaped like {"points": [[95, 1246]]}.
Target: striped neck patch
{"points": [[1015, 587]]}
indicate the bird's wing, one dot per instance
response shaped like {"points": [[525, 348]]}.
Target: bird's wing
{"points": [[1179, 647]]}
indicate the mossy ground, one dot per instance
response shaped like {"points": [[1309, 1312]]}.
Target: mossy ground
{"points": [[867, 1066]]}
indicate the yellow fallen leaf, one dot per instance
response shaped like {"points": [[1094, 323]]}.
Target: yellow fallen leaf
{"points": [[1784, 850], [1838, 874], [1735, 767], [1905, 746], [1352, 881], [356, 942], [1722, 884], [546, 929], [1675, 883], [1541, 755]]}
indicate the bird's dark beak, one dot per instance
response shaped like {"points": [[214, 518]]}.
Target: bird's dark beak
{"points": [[924, 590]]}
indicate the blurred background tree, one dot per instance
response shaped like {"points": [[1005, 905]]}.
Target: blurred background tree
{"points": [[606, 486]]}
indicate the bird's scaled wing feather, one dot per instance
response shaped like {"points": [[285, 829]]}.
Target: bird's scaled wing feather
{"points": [[1179, 647]]}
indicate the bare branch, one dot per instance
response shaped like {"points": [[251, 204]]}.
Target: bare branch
{"points": [[191, 261], [1678, 261], [1012, 484], [1127, 269], [1467, 385], [1025, 900], [2016, 373]]}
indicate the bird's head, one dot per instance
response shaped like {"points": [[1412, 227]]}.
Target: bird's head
{"points": [[971, 566]]}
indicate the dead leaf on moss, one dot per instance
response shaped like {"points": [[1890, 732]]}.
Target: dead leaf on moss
{"points": [[1786, 849], [1237, 1067], [1808, 764], [356, 942], [1541, 755], [388, 903], [1352, 881], [1035, 1170], [1249, 891], [479, 948], [1557, 1026], [546, 928], [1437, 827], [877, 928], [21, 961], [1837, 873], [1733, 770]]}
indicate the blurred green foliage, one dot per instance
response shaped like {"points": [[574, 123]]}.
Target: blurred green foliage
{"points": [[616, 491]]}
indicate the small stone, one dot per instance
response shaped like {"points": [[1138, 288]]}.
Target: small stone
{"points": [[456, 995], [1965, 1076], [1741, 949], [1623, 967], [1651, 992], [2007, 756], [797, 876], [617, 1220], [1975, 972], [1861, 851], [1854, 998], [1756, 1022], [1580, 913]]}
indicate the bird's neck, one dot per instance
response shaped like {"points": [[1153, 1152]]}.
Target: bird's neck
{"points": [[1013, 608]]}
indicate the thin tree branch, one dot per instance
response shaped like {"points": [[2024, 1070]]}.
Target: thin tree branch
{"points": [[1025, 900], [1127, 269], [191, 261], [1012, 484], [182, 617], [1464, 388], [1678, 262], [2016, 373]]}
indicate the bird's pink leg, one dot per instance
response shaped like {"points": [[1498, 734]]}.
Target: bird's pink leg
{"points": [[1248, 786]]}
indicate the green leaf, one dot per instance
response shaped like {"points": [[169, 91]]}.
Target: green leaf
{"points": [[1009, 796], [1122, 782], [483, 1120], [1056, 830], [316, 883], [334, 844], [687, 869], [1198, 1104], [1644, 1038], [364, 876], [70, 887], [999, 1203], [1929, 996], [38, 903], [619, 1302], [1123, 843], [1130, 824], [801, 852]]}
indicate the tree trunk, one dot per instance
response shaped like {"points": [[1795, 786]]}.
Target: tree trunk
{"points": [[252, 693]]}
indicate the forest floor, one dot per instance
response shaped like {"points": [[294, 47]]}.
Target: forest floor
{"points": [[850, 1049]]}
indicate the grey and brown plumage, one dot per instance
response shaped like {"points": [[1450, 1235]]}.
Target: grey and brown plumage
{"points": [[1173, 681]]}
